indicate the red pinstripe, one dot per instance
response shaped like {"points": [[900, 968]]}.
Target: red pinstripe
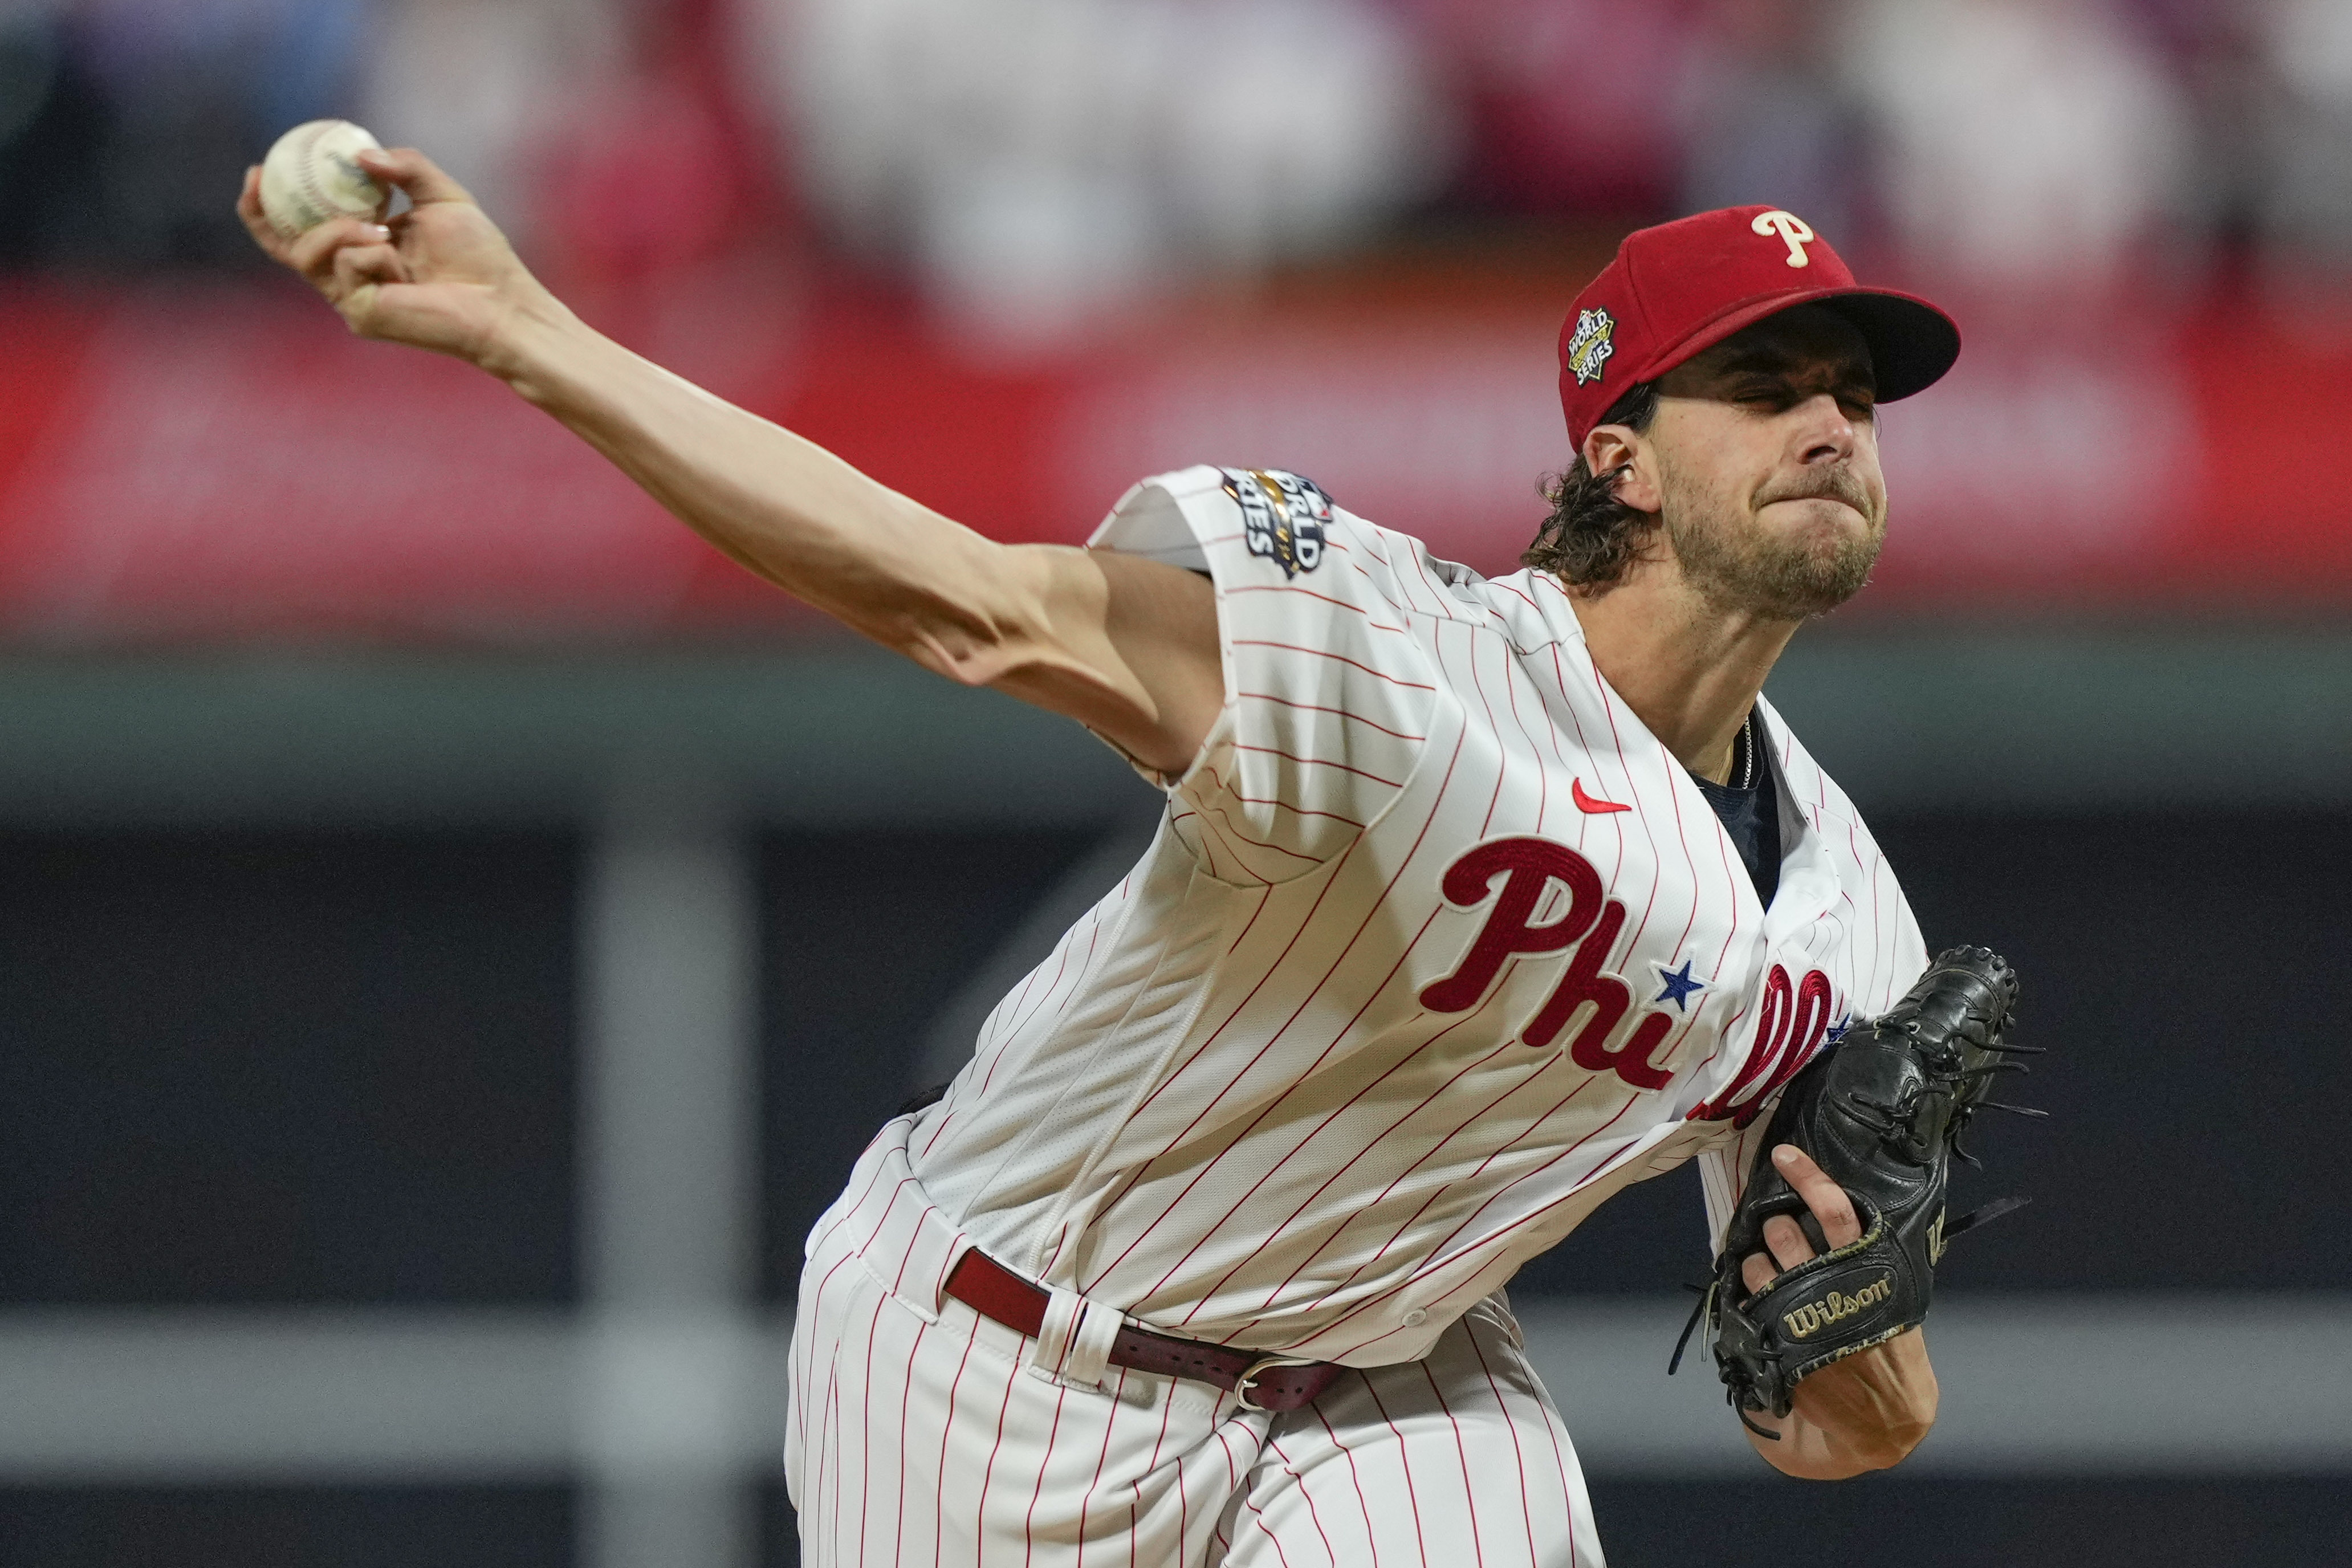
{"points": [[931, 1141], [1516, 591], [1093, 934], [1086, 1505], [1179, 812], [846, 1214], [1372, 1532], [1338, 658], [1560, 1447], [807, 1354], [845, 1210], [1233, 1473], [1435, 1254], [1502, 753], [1461, 1451], [1264, 897], [988, 1474], [1337, 712], [995, 1039], [1183, 1498], [1518, 1456], [1371, 914], [1404, 1464], [1317, 762], [1229, 830], [1512, 676], [1421, 570], [1404, 611], [939, 1490], [1301, 1148], [1399, 1178], [1061, 967], [906, 1394], [1438, 1256], [866, 1427], [1029, 1522], [1259, 1519], [1243, 1004], [1314, 1515], [1294, 587], [831, 1422], [1225, 788]]}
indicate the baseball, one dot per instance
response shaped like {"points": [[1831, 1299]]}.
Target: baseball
{"points": [[312, 174]]}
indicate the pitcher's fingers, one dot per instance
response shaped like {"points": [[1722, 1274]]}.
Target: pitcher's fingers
{"points": [[1786, 1240], [257, 223], [312, 254], [1756, 1271], [356, 265], [413, 173], [1828, 1200]]}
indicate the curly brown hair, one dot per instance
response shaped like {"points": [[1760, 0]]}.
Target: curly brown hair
{"points": [[1591, 537]]}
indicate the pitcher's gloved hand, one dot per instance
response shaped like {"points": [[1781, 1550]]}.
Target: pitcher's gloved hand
{"points": [[1880, 1115]]}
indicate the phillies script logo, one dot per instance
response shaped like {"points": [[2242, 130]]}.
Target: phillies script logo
{"points": [[1527, 868], [1791, 1022], [1790, 1027]]}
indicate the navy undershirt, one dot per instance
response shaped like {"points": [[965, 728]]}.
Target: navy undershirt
{"points": [[1752, 817]]}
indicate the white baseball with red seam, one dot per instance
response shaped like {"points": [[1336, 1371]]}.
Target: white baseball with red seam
{"points": [[313, 173]]}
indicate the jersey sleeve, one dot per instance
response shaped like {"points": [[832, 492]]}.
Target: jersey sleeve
{"points": [[1328, 692]]}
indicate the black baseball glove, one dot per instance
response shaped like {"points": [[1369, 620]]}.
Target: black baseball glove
{"points": [[1882, 1114]]}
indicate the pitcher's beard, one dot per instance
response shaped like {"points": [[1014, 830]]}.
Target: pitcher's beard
{"points": [[1737, 566]]}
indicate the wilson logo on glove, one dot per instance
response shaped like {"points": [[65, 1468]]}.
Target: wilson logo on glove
{"points": [[1835, 1307]]}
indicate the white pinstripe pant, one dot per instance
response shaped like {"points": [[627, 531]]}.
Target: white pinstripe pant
{"points": [[919, 1435]]}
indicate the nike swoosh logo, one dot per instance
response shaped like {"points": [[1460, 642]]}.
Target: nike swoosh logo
{"points": [[1585, 803]]}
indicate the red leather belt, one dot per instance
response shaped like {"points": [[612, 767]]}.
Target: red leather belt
{"points": [[1259, 1382]]}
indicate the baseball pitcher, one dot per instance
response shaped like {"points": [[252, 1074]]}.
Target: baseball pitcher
{"points": [[1476, 901]]}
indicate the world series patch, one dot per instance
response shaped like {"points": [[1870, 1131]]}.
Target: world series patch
{"points": [[1283, 516], [1590, 346]]}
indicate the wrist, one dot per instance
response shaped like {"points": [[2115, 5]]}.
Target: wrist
{"points": [[525, 341]]}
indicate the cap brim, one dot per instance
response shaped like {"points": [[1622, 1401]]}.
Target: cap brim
{"points": [[1912, 344]]}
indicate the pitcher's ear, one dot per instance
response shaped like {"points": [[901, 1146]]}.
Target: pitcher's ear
{"points": [[1610, 447]]}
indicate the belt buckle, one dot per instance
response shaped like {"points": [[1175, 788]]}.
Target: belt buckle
{"points": [[1257, 1369]]}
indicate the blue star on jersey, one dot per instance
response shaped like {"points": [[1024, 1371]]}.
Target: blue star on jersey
{"points": [[1837, 1031], [1679, 985]]}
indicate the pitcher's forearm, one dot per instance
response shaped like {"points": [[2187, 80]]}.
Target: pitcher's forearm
{"points": [[1128, 648], [1035, 620], [779, 504]]}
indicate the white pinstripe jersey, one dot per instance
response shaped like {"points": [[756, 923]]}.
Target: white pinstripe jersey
{"points": [[1437, 950]]}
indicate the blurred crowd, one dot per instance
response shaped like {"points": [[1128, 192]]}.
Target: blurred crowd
{"points": [[1034, 164]]}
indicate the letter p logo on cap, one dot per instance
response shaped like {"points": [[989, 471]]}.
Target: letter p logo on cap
{"points": [[1678, 289], [1792, 229]]}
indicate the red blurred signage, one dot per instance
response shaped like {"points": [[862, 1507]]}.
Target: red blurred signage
{"points": [[229, 462]]}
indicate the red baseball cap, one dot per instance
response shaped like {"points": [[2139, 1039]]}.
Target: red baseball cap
{"points": [[1681, 288]]}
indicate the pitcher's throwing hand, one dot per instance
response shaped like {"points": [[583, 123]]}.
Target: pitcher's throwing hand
{"points": [[439, 275]]}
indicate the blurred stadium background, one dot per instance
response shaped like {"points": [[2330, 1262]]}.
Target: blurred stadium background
{"points": [[454, 930]]}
